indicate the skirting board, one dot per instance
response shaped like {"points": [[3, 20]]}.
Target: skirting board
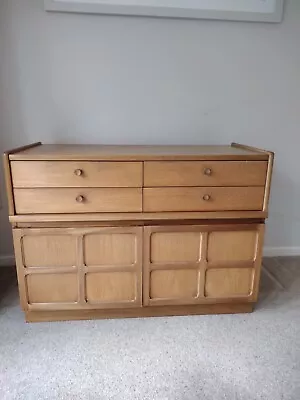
{"points": [[281, 251], [9, 260]]}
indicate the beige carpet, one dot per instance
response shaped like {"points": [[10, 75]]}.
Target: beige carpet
{"points": [[235, 357]]}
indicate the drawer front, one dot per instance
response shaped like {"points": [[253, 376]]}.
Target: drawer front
{"points": [[205, 173], [203, 199], [72, 200], [76, 174]]}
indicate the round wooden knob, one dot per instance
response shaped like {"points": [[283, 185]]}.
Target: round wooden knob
{"points": [[206, 197], [207, 171], [80, 199], [78, 172]]}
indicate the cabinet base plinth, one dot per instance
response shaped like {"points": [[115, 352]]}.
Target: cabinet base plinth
{"points": [[158, 311]]}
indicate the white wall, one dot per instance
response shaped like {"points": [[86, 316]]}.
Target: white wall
{"points": [[84, 78]]}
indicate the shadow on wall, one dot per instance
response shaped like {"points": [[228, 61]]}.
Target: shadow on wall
{"points": [[279, 224], [12, 113]]}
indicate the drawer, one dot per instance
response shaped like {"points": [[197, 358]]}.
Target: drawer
{"points": [[203, 199], [205, 173], [76, 174], [72, 200]]}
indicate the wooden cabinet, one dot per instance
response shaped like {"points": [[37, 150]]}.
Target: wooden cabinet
{"points": [[126, 231], [200, 264], [78, 268]]}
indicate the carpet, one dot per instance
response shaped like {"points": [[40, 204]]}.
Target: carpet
{"points": [[216, 357]]}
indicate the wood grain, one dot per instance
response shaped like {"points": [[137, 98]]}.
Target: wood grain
{"points": [[31, 174], [270, 156], [258, 262], [135, 218], [268, 182], [245, 147], [8, 184], [52, 288], [113, 287], [228, 282], [175, 247], [139, 312], [205, 173], [232, 245], [113, 280], [22, 149], [49, 250], [173, 284], [136, 153], [218, 263], [17, 237], [111, 231], [110, 248], [8, 176], [192, 199], [59, 200]]}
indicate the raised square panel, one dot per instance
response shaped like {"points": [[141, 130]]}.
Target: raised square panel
{"points": [[110, 249], [232, 246], [228, 282], [174, 247], [49, 250], [52, 288], [173, 284], [110, 287]]}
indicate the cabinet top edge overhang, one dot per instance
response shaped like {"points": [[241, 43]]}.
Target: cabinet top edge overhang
{"points": [[90, 152]]}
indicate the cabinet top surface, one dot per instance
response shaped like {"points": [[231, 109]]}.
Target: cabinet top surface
{"points": [[136, 153]]}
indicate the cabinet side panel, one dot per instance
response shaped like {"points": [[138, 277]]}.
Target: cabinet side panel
{"points": [[17, 238], [8, 183], [268, 182]]}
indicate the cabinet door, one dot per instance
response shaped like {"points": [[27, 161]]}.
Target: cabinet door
{"points": [[75, 268], [201, 264], [112, 260], [47, 268]]}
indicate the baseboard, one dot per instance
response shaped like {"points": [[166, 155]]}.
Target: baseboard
{"points": [[281, 251], [7, 260]]}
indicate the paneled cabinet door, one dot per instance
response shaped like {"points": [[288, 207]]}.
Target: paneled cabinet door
{"points": [[79, 268], [201, 264], [112, 262]]}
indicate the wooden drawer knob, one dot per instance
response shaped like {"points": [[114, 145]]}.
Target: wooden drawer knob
{"points": [[80, 199], [78, 172], [206, 197], [207, 171]]}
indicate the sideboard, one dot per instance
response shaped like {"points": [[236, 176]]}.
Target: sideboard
{"points": [[136, 231]]}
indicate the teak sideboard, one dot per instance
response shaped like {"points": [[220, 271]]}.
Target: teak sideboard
{"points": [[127, 231]]}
